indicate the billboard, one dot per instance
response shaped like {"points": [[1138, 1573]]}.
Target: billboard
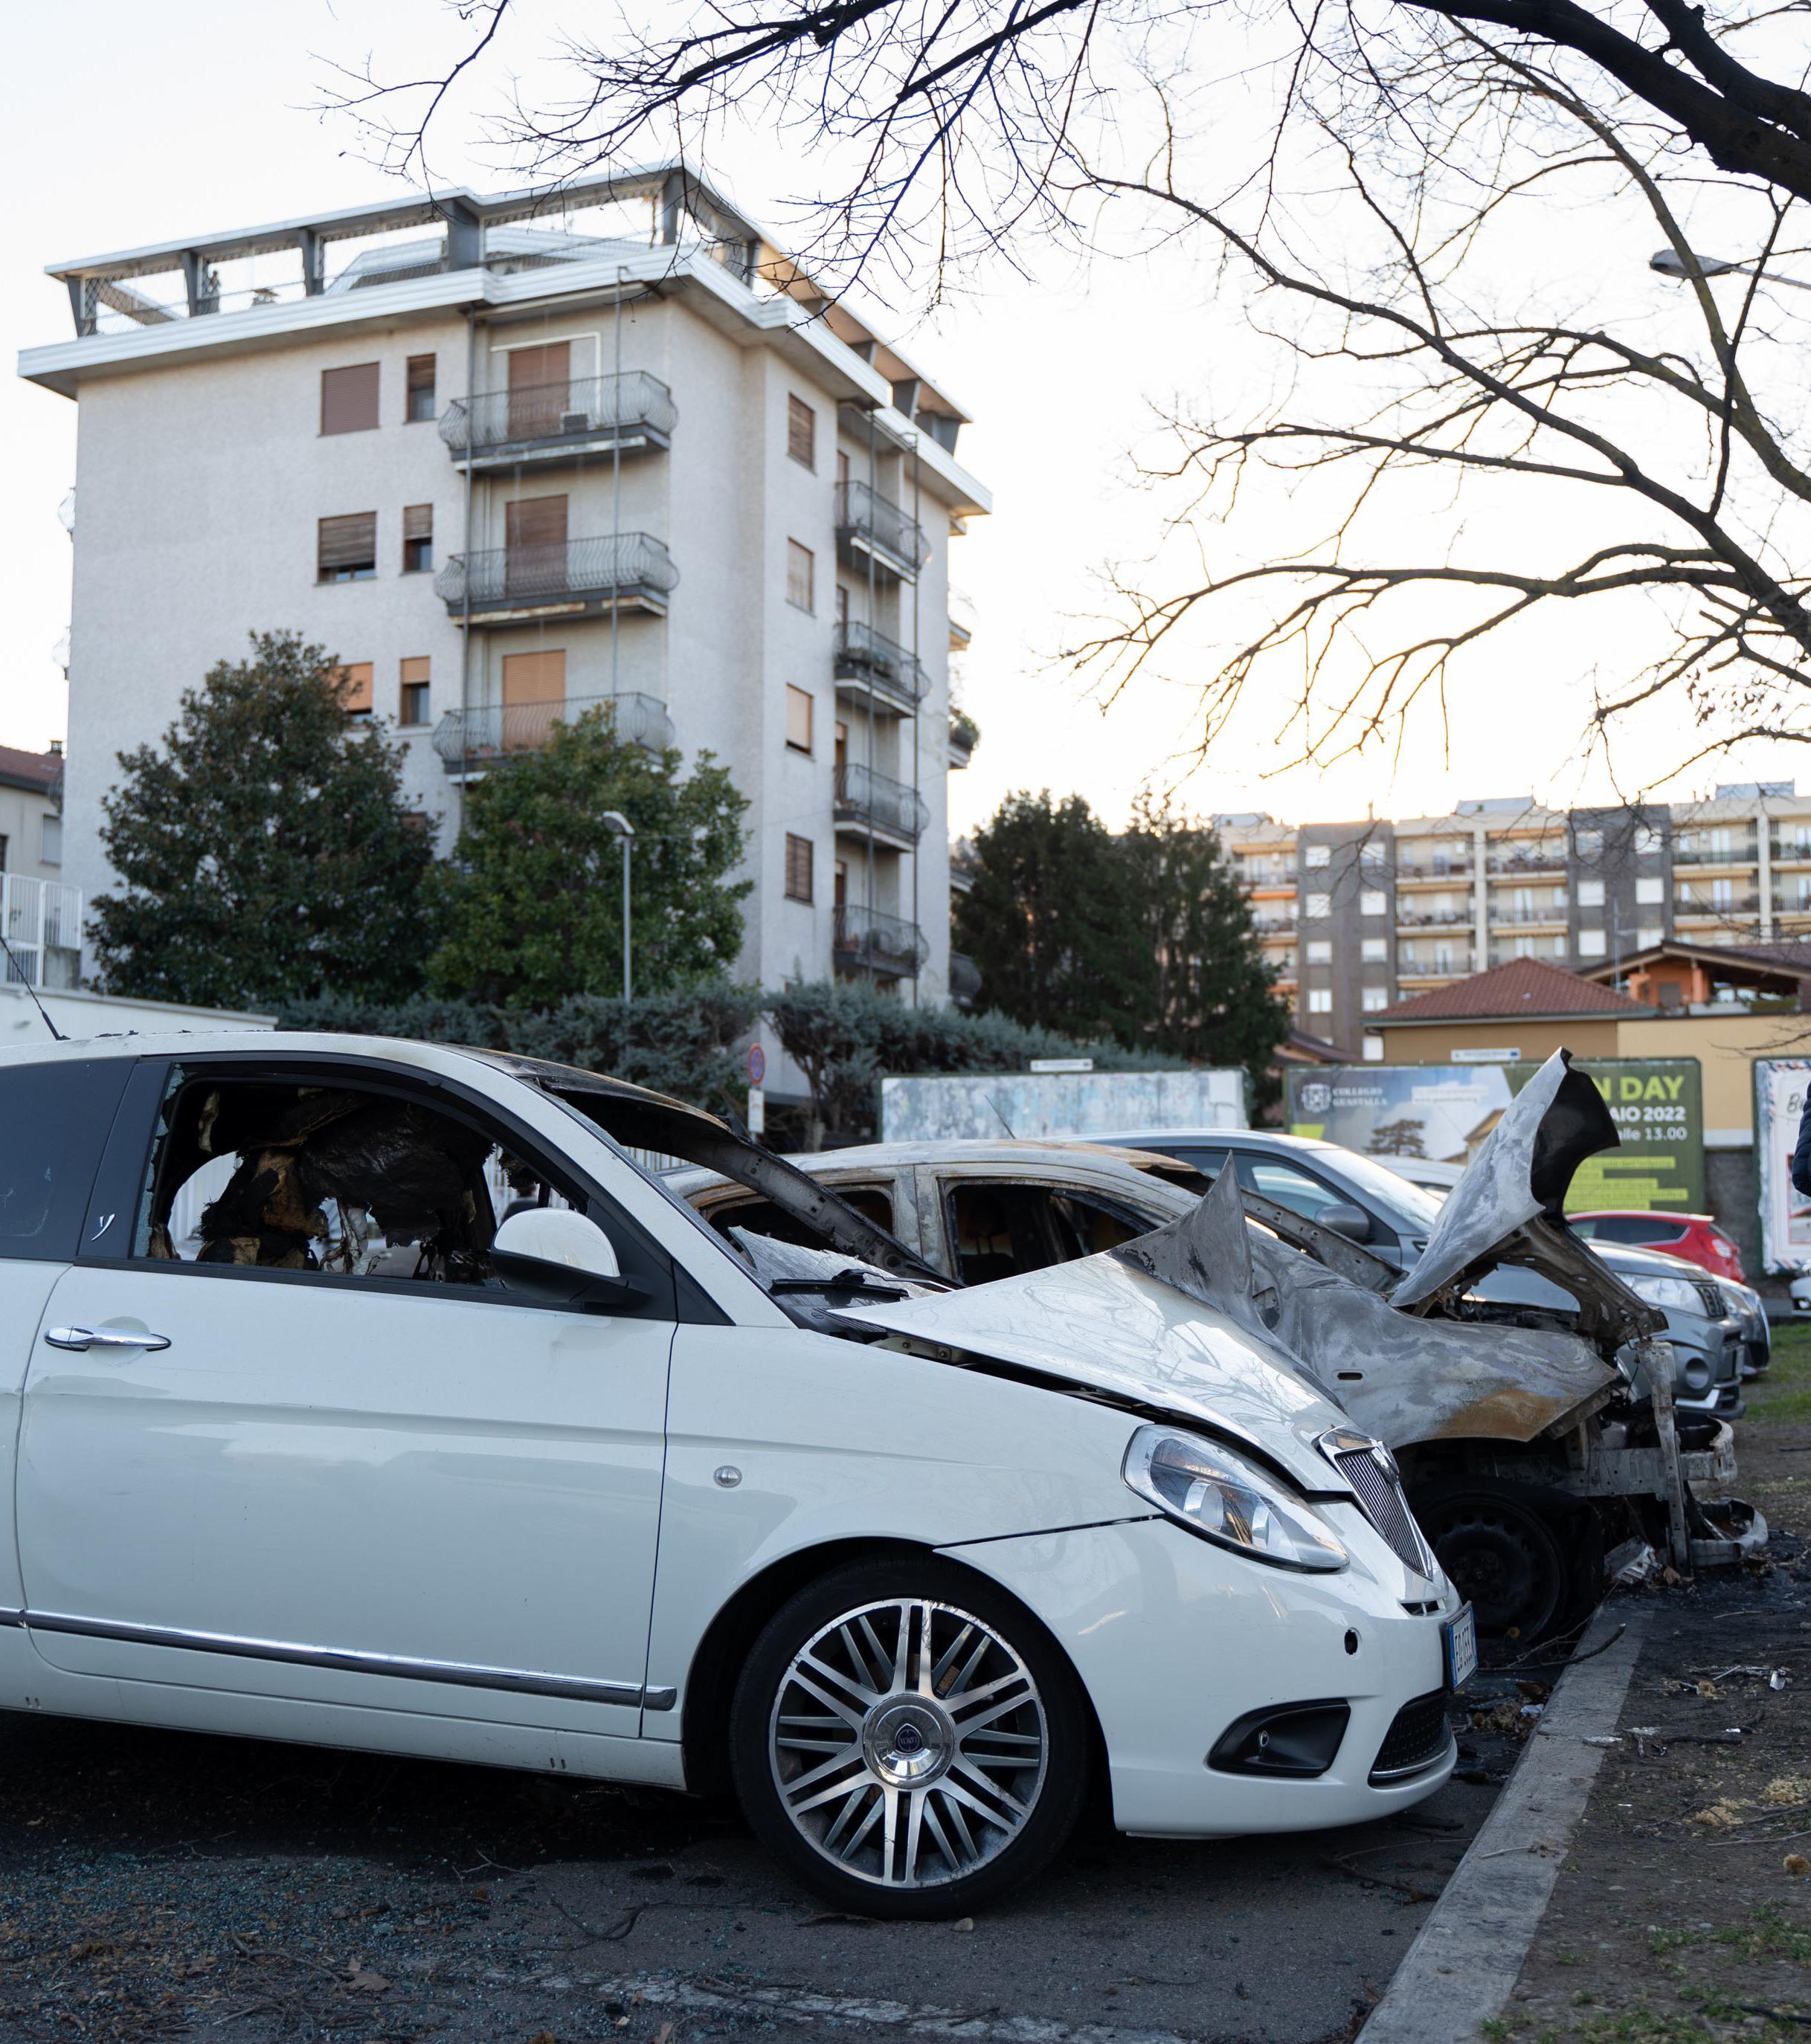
{"points": [[1786, 1213], [1443, 1113], [995, 1104]]}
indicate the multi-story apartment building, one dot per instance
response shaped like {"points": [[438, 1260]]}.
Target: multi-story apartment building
{"points": [[39, 915], [1357, 916], [507, 458]]}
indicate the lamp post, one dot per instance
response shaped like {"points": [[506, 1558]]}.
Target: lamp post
{"points": [[619, 826]]}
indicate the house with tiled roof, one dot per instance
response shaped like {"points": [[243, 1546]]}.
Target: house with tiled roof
{"points": [[31, 812]]}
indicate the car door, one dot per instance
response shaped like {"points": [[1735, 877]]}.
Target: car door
{"points": [[364, 1486]]}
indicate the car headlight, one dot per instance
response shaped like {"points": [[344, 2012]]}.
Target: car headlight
{"points": [[1227, 1500], [1675, 1294]]}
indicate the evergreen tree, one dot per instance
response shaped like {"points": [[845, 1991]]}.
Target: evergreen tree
{"points": [[266, 851], [1052, 921], [533, 901]]}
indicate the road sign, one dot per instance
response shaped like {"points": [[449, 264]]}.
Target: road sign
{"points": [[757, 1065]]}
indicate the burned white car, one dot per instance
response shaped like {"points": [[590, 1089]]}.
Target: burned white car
{"points": [[1536, 1458]]}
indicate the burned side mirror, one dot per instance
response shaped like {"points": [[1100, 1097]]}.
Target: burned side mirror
{"points": [[1352, 1222]]}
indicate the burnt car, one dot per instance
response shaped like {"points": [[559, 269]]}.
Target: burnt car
{"points": [[1537, 1448]]}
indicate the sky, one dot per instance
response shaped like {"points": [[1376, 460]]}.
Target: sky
{"points": [[201, 116]]}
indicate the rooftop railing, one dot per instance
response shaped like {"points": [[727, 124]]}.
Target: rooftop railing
{"points": [[866, 519], [471, 739], [610, 568], [42, 919], [864, 796], [541, 415], [863, 653], [870, 938]]}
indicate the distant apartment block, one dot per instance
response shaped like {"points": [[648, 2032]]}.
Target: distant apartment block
{"points": [[1355, 916], [40, 914], [512, 457]]}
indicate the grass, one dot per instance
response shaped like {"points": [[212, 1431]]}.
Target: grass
{"points": [[1783, 1396]]}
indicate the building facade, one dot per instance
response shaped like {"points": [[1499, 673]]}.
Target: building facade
{"points": [[510, 458], [40, 914], [1357, 916]]}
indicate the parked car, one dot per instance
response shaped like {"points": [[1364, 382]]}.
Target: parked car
{"points": [[1371, 1201], [346, 1459], [1477, 1449], [1693, 1238]]}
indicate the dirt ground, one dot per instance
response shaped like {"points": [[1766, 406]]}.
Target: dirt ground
{"points": [[1684, 1909]]}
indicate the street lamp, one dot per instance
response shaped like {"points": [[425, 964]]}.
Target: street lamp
{"points": [[618, 825], [1670, 264]]}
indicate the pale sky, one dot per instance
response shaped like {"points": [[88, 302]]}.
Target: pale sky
{"points": [[139, 124]]}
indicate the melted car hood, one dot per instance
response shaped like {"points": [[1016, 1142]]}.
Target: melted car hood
{"points": [[1100, 1328]]}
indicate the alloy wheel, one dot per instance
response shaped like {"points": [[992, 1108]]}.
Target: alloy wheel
{"points": [[908, 1743]]}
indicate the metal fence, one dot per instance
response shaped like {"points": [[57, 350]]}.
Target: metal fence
{"points": [[632, 402], [42, 919], [869, 797], [472, 737], [614, 564]]}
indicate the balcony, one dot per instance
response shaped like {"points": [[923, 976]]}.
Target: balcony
{"points": [[1424, 918], [1746, 904], [1791, 851], [869, 940], [1553, 916], [1685, 853], [1546, 860], [964, 979], [872, 669], [471, 740], [42, 919], [558, 578], [873, 532], [551, 422], [1430, 872], [1270, 926], [1443, 965], [870, 804]]}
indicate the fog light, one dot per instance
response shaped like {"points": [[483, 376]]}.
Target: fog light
{"points": [[1697, 1374], [1298, 1739]]}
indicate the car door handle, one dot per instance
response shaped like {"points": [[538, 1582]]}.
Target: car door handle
{"points": [[87, 1338]]}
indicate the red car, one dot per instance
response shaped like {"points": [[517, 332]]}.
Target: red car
{"points": [[1696, 1237]]}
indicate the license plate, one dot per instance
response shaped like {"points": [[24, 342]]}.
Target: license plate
{"points": [[1459, 1637]]}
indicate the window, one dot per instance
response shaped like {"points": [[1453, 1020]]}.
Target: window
{"points": [[1652, 888], [421, 388], [798, 869], [872, 1202], [842, 605], [349, 399], [1316, 904], [1319, 1001], [346, 547], [1647, 938], [539, 390], [798, 719], [1320, 951], [1373, 1050], [799, 569], [1722, 894], [418, 538], [2, 855], [531, 681], [801, 432], [50, 842], [1590, 944], [1590, 893], [534, 547], [413, 700], [1298, 1190], [57, 1116], [1371, 998], [842, 469], [839, 883], [1374, 901], [354, 691], [1375, 951], [1001, 1230], [1647, 839], [1314, 856]]}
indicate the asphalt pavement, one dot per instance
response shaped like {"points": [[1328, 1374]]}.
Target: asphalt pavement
{"points": [[158, 1884]]}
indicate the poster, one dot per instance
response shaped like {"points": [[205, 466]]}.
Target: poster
{"points": [[1443, 1112], [1786, 1213]]}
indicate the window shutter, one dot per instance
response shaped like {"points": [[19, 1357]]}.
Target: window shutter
{"points": [[798, 719], [535, 521], [355, 688], [534, 678], [348, 542], [418, 521], [799, 578], [800, 432], [417, 670], [798, 868], [348, 398]]}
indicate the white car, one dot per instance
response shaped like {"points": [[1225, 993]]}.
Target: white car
{"points": [[309, 1446]]}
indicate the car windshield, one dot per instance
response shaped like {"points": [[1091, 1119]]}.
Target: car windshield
{"points": [[1413, 1207]]}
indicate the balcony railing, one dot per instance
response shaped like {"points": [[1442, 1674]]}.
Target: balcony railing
{"points": [[545, 418], [1270, 925], [1550, 860], [1423, 919], [1742, 853], [616, 568], [864, 797], [870, 657], [876, 524], [1555, 912], [1747, 903], [964, 979], [1790, 850], [1433, 869], [881, 943], [1443, 965], [42, 922], [470, 740]]}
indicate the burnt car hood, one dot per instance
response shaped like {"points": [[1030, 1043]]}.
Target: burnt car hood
{"points": [[1104, 1329]]}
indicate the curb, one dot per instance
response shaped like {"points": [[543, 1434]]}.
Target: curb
{"points": [[1463, 1964]]}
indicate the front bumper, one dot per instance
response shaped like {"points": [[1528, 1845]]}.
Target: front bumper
{"points": [[1175, 1639]]}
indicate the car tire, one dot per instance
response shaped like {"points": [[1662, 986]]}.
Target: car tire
{"points": [[1519, 1554], [882, 1790]]}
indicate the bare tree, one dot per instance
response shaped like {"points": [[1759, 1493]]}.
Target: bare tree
{"points": [[1404, 141]]}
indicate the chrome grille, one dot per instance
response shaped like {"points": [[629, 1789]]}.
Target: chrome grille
{"points": [[1370, 1470], [1712, 1300]]}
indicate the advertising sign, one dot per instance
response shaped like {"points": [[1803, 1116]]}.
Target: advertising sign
{"points": [[1443, 1113], [1785, 1213]]}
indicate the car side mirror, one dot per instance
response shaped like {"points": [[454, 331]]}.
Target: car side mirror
{"points": [[560, 1257], [1352, 1222]]}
